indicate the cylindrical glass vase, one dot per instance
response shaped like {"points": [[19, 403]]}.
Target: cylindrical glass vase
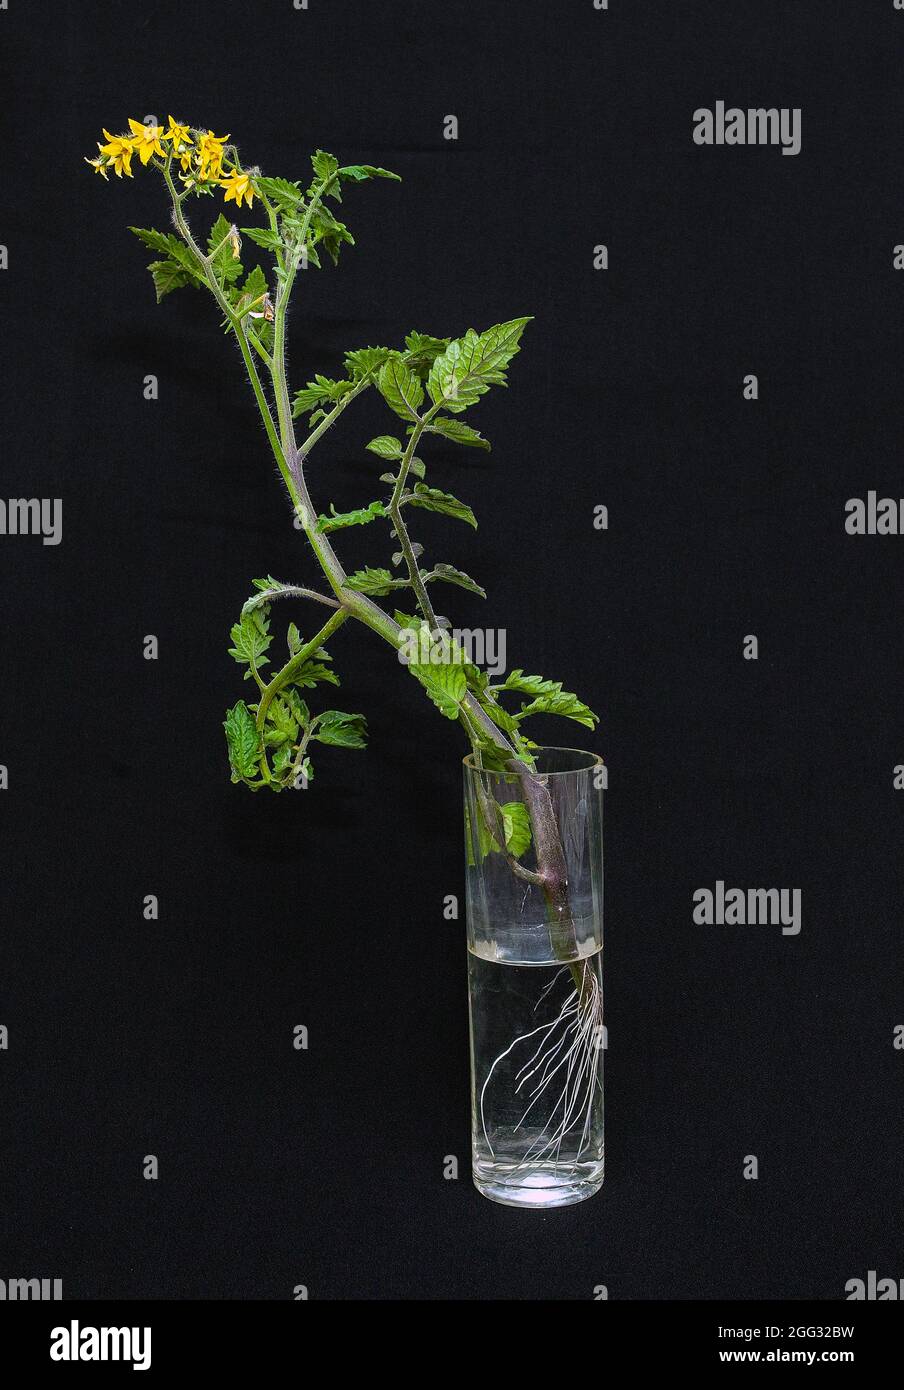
{"points": [[534, 855]]}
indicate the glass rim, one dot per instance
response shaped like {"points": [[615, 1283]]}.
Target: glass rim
{"points": [[594, 760]]}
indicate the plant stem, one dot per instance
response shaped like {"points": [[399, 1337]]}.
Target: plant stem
{"points": [[294, 664], [551, 865]]}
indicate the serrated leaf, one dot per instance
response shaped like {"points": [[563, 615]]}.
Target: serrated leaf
{"points": [[421, 351], [357, 173], [321, 391], [458, 432], [451, 575], [324, 165], [251, 638], [549, 698], [178, 267], [298, 707], [227, 266], [282, 767], [267, 590], [281, 191], [168, 276], [433, 500], [400, 388], [386, 446], [530, 685], [312, 673], [263, 236], [472, 364], [282, 726], [425, 345], [564, 703], [376, 582], [163, 242], [444, 681], [363, 361], [243, 742], [254, 284], [359, 517], [341, 730]]}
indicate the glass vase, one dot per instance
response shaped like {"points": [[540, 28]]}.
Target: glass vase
{"points": [[534, 856]]}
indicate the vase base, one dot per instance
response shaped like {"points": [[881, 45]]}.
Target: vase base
{"points": [[539, 1185]]}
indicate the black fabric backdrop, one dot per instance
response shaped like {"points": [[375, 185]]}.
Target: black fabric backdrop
{"points": [[126, 1037]]}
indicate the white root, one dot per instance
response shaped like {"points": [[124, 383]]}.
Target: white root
{"points": [[564, 1064]]}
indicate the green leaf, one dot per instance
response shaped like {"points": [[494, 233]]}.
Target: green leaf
{"points": [[341, 730], [169, 276], [282, 767], [179, 266], [243, 742], [313, 673], [315, 669], [530, 685], [422, 351], [280, 191], [298, 707], [282, 726], [563, 703], [254, 284], [267, 589], [359, 517], [227, 266], [386, 446], [247, 298], [251, 638], [453, 576], [550, 698], [164, 242], [400, 388], [377, 582], [357, 173], [321, 391], [472, 364], [324, 165], [516, 826], [433, 500], [424, 345], [444, 681], [458, 432], [363, 361], [263, 236]]}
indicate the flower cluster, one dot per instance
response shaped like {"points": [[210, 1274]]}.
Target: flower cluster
{"points": [[200, 156]]}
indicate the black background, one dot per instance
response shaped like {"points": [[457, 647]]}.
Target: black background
{"points": [[127, 1037]]}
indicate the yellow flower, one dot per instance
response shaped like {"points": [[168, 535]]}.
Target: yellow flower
{"points": [[177, 135], [99, 165], [146, 140], [119, 150], [210, 153], [238, 186]]}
